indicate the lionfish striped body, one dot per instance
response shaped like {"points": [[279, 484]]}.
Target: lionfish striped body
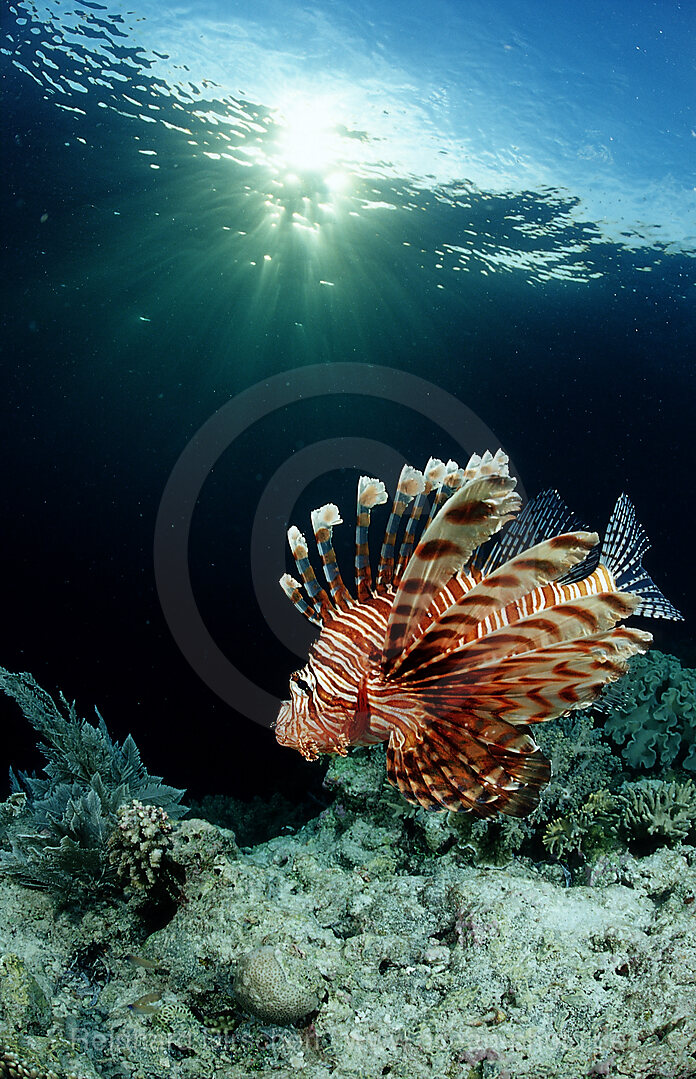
{"points": [[461, 644]]}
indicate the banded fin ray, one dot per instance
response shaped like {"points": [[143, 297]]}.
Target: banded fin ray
{"points": [[535, 686], [293, 591], [516, 578], [371, 493], [433, 477], [451, 480], [323, 521], [564, 622], [484, 765], [543, 516], [469, 517], [410, 485], [317, 595]]}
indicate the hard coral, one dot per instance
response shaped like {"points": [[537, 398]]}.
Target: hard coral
{"points": [[54, 829], [13, 1066], [275, 985], [23, 1004], [139, 843]]}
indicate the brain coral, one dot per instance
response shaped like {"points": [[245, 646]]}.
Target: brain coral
{"points": [[652, 712], [276, 986]]}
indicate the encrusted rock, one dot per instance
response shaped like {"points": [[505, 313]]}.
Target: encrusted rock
{"points": [[23, 1004]]}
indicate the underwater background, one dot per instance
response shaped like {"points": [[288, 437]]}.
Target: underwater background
{"points": [[204, 201]]}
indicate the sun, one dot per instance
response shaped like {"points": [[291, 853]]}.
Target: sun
{"points": [[308, 139]]}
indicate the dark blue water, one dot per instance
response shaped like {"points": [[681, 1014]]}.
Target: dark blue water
{"points": [[499, 204]]}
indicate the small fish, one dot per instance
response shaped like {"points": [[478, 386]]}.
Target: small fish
{"points": [[147, 964], [458, 647], [146, 1005]]}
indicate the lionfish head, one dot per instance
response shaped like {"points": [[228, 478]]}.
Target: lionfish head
{"points": [[297, 725]]}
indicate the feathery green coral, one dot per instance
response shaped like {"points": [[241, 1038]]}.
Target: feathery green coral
{"points": [[586, 832], [57, 828]]}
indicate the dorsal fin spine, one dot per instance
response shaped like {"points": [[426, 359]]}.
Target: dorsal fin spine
{"points": [[433, 475], [452, 479], [319, 598], [371, 492], [323, 521], [292, 589], [477, 510], [411, 484]]}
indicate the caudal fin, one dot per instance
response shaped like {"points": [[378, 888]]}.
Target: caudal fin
{"points": [[624, 545]]}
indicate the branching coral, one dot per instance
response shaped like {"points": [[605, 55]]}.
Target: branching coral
{"points": [[14, 1065], [139, 844]]}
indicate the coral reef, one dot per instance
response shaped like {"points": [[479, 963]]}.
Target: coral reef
{"points": [[21, 997], [588, 808], [581, 762], [375, 939], [588, 832], [19, 1061], [256, 820], [360, 779], [655, 807], [13, 1067], [574, 813], [296, 957]]}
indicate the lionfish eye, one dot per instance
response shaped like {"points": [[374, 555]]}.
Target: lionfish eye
{"points": [[302, 684]]}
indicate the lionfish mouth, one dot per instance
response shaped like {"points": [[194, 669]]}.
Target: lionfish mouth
{"points": [[282, 723]]}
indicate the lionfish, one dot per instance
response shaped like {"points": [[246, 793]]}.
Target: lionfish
{"points": [[468, 637]]}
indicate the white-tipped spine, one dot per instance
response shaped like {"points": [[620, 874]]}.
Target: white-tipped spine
{"points": [[371, 492], [293, 590], [489, 464], [434, 473], [411, 482], [326, 517], [323, 521], [298, 543], [454, 476], [289, 584]]}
